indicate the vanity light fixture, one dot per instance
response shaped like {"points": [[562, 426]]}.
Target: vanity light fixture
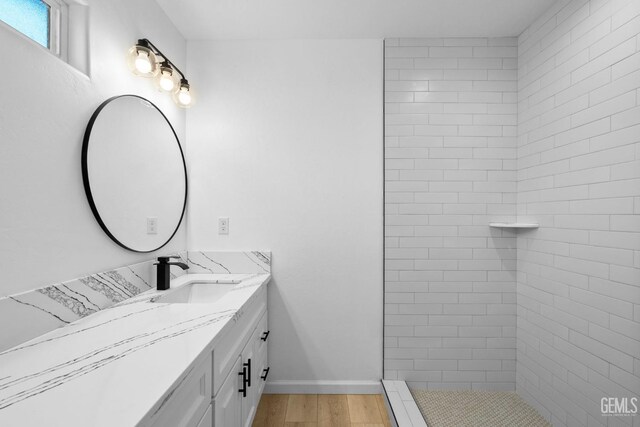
{"points": [[146, 60]]}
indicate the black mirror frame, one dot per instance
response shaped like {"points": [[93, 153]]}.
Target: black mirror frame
{"points": [[87, 185]]}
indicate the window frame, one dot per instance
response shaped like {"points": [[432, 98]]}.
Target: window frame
{"points": [[58, 27], [58, 23]]}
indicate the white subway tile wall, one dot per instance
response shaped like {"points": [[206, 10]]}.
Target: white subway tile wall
{"points": [[578, 323], [450, 169]]}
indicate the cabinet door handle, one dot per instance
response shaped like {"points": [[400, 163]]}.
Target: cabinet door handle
{"points": [[265, 335], [265, 374], [248, 377], [243, 374]]}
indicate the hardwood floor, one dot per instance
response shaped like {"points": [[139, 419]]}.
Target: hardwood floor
{"points": [[321, 410]]}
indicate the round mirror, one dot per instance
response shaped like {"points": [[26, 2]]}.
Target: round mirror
{"points": [[134, 173]]}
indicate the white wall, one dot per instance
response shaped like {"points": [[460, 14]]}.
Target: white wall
{"points": [[286, 141], [450, 148], [579, 176], [48, 233]]}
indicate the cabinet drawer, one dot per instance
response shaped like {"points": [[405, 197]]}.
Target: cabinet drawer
{"points": [[230, 346], [262, 366], [259, 340], [185, 405], [262, 334]]}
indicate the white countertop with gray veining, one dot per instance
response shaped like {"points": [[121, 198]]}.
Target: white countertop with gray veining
{"points": [[116, 366]]}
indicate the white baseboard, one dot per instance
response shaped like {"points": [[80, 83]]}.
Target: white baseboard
{"points": [[323, 387]]}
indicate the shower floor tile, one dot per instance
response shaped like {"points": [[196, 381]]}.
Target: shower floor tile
{"points": [[476, 409]]}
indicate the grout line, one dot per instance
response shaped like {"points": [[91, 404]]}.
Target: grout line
{"points": [[384, 201]]}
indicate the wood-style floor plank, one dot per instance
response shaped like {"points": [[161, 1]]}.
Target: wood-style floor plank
{"points": [[333, 410], [363, 408], [271, 410], [383, 410], [283, 410], [302, 408]]}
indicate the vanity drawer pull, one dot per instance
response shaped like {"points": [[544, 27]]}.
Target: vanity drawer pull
{"points": [[266, 373], [243, 374], [248, 377], [265, 335]]}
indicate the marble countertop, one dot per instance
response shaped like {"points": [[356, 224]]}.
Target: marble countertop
{"points": [[116, 366]]}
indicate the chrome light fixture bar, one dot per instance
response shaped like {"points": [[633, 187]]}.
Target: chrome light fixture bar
{"points": [[146, 60]]}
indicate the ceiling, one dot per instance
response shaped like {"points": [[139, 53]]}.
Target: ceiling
{"points": [[282, 19]]}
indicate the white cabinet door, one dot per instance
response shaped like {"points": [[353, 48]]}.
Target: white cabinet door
{"points": [[187, 402], [207, 418], [228, 402]]}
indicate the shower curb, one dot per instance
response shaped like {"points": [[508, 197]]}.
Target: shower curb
{"points": [[403, 410]]}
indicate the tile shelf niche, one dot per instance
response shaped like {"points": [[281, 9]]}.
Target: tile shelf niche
{"points": [[517, 225]]}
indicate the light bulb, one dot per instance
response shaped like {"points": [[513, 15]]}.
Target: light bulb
{"points": [[183, 96], [166, 80], [143, 64], [142, 61]]}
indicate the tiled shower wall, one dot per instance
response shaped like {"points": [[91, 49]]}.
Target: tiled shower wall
{"points": [[579, 176], [450, 169]]}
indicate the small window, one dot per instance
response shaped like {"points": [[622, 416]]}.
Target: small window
{"points": [[40, 20]]}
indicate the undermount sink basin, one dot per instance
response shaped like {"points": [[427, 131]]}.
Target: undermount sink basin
{"points": [[198, 292]]}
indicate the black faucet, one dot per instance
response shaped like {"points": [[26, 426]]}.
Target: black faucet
{"points": [[163, 276]]}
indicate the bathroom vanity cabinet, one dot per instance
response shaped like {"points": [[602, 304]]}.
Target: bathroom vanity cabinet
{"points": [[242, 369], [156, 362], [224, 389]]}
